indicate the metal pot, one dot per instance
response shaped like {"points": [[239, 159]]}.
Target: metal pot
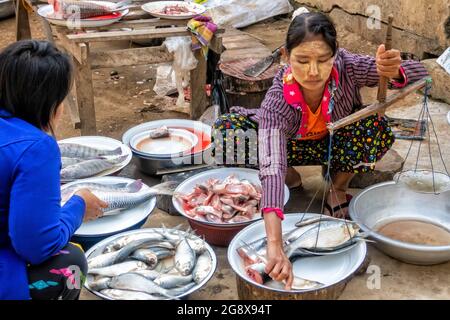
{"points": [[333, 271], [152, 164], [6, 8], [388, 201]]}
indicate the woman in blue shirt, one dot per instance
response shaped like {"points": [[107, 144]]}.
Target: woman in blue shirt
{"points": [[36, 259]]}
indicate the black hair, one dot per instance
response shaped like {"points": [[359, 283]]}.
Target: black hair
{"points": [[35, 77], [311, 24]]}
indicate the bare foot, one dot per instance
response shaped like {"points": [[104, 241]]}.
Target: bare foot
{"points": [[293, 178], [337, 201]]}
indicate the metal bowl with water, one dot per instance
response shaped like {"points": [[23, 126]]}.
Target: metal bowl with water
{"points": [[388, 202]]}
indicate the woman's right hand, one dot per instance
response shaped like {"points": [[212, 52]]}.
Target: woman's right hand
{"points": [[278, 266], [94, 205]]}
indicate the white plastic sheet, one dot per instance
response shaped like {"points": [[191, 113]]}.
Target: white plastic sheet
{"points": [[242, 13]]}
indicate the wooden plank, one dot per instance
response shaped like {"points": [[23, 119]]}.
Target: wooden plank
{"points": [[85, 94], [216, 44], [69, 46], [129, 57], [71, 104], [377, 107], [22, 22], [129, 35], [144, 23], [198, 81]]}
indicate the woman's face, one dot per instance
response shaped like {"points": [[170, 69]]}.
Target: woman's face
{"points": [[312, 62]]}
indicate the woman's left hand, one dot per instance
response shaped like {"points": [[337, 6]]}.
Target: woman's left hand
{"points": [[388, 62]]}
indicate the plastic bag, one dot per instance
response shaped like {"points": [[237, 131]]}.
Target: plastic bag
{"points": [[242, 13], [184, 61], [165, 80]]}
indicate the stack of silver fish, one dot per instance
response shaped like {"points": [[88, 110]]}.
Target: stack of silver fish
{"points": [[81, 161], [317, 236], [151, 265]]}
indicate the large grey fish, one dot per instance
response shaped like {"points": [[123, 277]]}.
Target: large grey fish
{"points": [[131, 187], [171, 281], [137, 282], [184, 258], [70, 161], [202, 267], [328, 235], [89, 168], [118, 269], [118, 294], [75, 150]]}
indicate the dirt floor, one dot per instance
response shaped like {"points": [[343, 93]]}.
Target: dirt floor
{"points": [[127, 99]]}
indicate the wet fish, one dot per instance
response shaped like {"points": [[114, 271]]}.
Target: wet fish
{"points": [[328, 235], [124, 241], [146, 255], [70, 161], [118, 269], [118, 294], [110, 258], [202, 267], [182, 290], [137, 282], [86, 9], [131, 187], [171, 281], [99, 283], [149, 274], [184, 258], [75, 150], [89, 168]]}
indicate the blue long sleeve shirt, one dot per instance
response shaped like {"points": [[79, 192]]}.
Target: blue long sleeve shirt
{"points": [[33, 225]]}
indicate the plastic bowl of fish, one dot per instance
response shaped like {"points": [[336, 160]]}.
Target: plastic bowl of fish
{"points": [[325, 252], [82, 14], [130, 202], [220, 202], [154, 164], [92, 156], [149, 264], [411, 226]]}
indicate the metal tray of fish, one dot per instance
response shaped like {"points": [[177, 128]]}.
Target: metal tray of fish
{"points": [[128, 266], [189, 184], [103, 143], [326, 270], [119, 221]]}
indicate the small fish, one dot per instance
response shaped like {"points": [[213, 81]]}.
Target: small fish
{"points": [[149, 274], [184, 258], [118, 294], [118, 269], [74, 150], [124, 241], [146, 255], [170, 281], [202, 267], [181, 290], [99, 283], [65, 162], [137, 282], [89, 168]]}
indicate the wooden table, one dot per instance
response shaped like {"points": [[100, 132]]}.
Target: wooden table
{"points": [[86, 58]]}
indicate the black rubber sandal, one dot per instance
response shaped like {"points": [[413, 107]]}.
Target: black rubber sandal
{"points": [[339, 207]]}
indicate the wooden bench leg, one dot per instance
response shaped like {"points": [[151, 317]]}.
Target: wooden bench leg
{"points": [[85, 97], [199, 101], [71, 104], [22, 23]]}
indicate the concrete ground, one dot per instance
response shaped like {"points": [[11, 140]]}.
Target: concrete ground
{"points": [[398, 280]]}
